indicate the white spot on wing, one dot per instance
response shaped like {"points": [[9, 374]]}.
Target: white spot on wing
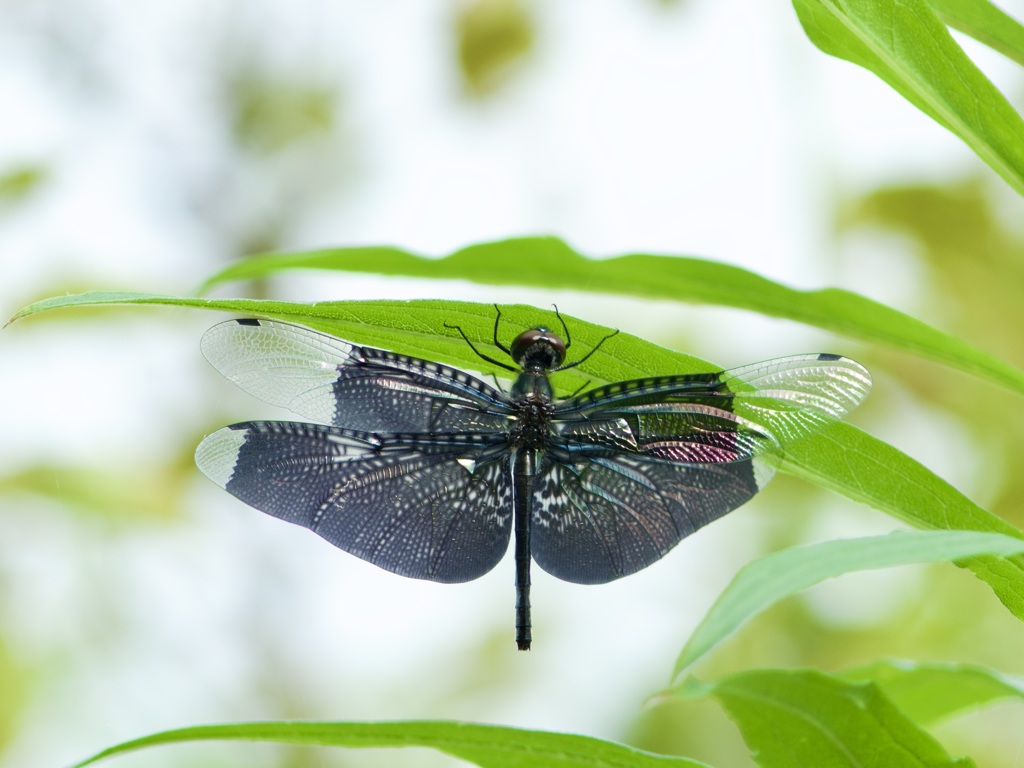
{"points": [[763, 472], [217, 454]]}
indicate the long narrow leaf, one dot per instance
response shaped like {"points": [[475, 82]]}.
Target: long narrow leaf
{"points": [[485, 745], [931, 692], [986, 23], [863, 468], [782, 574], [550, 263], [905, 44], [805, 718], [426, 328]]}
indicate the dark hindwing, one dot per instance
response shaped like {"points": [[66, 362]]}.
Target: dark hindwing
{"points": [[350, 386], [638, 465], [423, 509], [604, 517]]}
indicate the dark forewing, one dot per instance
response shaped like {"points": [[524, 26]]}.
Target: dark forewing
{"points": [[329, 380], [426, 511], [604, 517]]}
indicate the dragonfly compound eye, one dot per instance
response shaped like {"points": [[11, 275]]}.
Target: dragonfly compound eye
{"points": [[538, 348]]}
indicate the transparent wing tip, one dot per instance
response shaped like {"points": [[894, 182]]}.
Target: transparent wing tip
{"points": [[217, 455], [850, 381]]}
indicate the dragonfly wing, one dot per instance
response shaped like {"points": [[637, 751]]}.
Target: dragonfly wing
{"points": [[798, 395], [775, 402], [423, 510], [604, 517], [362, 388], [685, 432], [638, 465]]}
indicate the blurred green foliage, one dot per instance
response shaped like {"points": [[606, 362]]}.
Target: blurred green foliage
{"points": [[18, 183], [957, 231], [270, 115], [17, 683], [128, 494], [973, 260], [493, 37]]}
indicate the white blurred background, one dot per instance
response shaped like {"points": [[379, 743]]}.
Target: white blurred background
{"points": [[143, 146]]}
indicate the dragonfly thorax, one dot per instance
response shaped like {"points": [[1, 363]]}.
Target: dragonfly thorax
{"points": [[532, 386], [532, 397]]}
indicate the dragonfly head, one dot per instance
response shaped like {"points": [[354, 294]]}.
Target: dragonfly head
{"points": [[538, 349]]}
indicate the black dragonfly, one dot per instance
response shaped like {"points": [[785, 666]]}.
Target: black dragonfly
{"points": [[425, 470]]}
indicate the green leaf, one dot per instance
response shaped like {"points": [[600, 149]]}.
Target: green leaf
{"points": [[931, 692], [550, 263], [841, 457], [484, 745], [419, 328], [806, 718], [986, 23], [764, 582], [905, 44], [863, 468]]}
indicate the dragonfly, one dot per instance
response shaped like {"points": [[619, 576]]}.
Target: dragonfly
{"points": [[426, 470]]}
